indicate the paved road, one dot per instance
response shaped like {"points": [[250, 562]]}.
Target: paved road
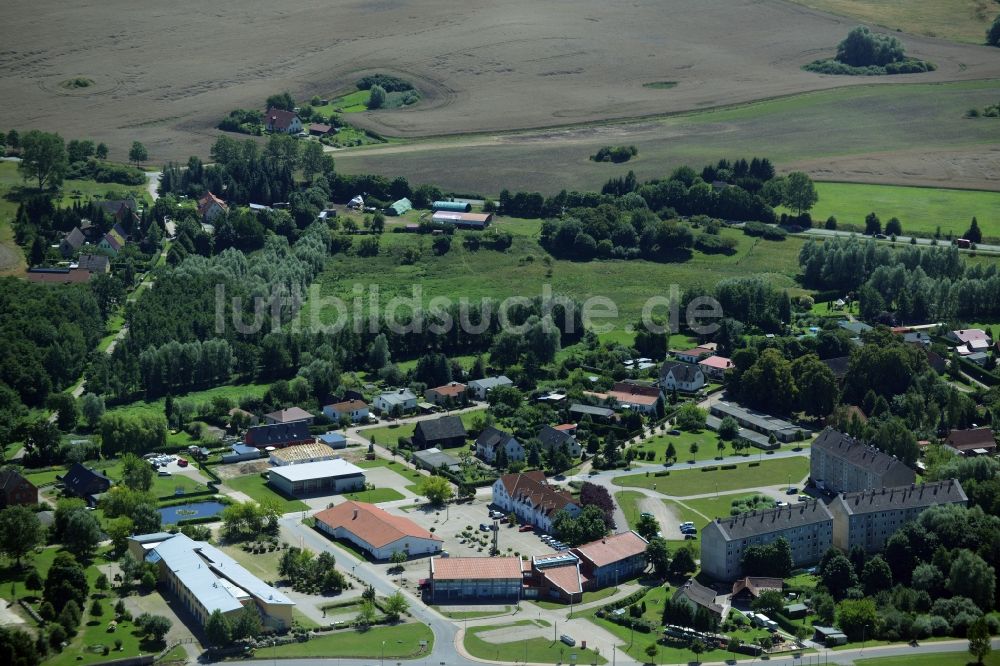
{"points": [[900, 240]]}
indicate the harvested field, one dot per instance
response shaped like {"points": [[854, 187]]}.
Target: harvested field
{"points": [[961, 20], [901, 134], [168, 73]]}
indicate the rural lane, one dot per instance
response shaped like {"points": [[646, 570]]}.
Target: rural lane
{"points": [[900, 240]]}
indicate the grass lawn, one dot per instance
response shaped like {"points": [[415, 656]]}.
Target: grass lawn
{"points": [[962, 658], [401, 641], [534, 650], [86, 646], [40, 478], [232, 391], [919, 209], [715, 507], [254, 486], [262, 565], [472, 614], [694, 482], [388, 435], [375, 495], [706, 440], [163, 486], [521, 271]]}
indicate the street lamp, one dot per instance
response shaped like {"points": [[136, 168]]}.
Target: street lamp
{"points": [[382, 658]]}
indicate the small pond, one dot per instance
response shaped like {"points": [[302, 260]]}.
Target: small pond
{"points": [[172, 515]]}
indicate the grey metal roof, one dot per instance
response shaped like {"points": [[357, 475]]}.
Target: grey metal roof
{"points": [[215, 579], [591, 410], [492, 436], [321, 469], [398, 397], [758, 419], [434, 458], [856, 452], [491, 382], [913, 496], [754, 523], [550, 437]]}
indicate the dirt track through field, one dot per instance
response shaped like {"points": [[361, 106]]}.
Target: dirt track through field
{"points": [[165, 74]]}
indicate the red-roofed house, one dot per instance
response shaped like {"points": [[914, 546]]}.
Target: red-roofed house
{"points": [[484, 579], [696, 354], [356, 410], [612, 559], [278, 120], [532, 499], [715, 366], [967, 335], [211, 207], [376, 531], [453, 392], [557, 577]]}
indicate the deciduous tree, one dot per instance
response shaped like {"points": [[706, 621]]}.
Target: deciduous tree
{"points": [[43, 158]]}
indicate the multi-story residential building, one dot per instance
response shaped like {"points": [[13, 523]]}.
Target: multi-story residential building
{"points": [[868, 518], [395, 402], [838, 463], [532, 499], [807, 526]]}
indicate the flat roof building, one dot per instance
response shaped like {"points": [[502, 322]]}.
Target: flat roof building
{"points": [[807, 526], [838, 463], [869, 518], [434, 458], [476, 579], [765, 424], [311, 478], [376, 531], [205, 579]]}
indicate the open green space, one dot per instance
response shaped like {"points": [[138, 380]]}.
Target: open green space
{"points": [[262, 565], [163, 486], [962, 658], [852, 120], [374, 495], [234, 392], [524, 268], [959, 20], [715, 507], [86, 647], [388, 435], [706, 441], [535, 650], [401, 641], [255, 487], [920, 209], [696, 482], [472, 614]]}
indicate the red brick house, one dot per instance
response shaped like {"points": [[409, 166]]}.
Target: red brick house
{"points": [[15, 489]]}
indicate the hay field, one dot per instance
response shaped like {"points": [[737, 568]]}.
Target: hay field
{"points": [[911, 134], [164, 74], [960, 20]]}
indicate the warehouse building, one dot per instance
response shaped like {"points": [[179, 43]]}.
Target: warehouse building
{"points": [[376, 531], [807, 526], [463, 220], [870, 517], [475, 579], [838, 463], [324, 477]]}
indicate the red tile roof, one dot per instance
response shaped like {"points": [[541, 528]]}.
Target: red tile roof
{"points": [[531, 487], [977, 438], [476, 568], [567, 578], [75, 276], [348, 406], [612, 549], [565, 426], [720, 362], [453, 389], [372, 524], [279, 119], [205, 203]]}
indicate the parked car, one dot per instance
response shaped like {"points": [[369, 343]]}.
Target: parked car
{"points": [[687, 523], [792, 490], [645, 514], [182, 462], [484, 527], [496, 514], [163, 472], [568, 640], [525, 528]]}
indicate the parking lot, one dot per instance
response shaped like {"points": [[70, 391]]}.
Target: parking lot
{"points": [[450, 522]]}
